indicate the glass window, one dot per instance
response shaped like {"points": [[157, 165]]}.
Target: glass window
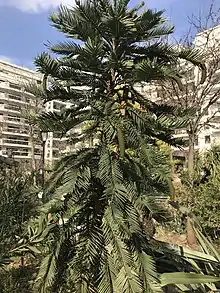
{"points": [[196, 141], [206, 112], [15, 86], [207, 139], [14, 97]]}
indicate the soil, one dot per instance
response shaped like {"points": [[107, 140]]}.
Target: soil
{"points": [[164, 235]]}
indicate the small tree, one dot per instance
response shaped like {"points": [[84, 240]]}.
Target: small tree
{"points": [[202, 98], [95, 236], [203, 197], [30, 114], [17, 206]]}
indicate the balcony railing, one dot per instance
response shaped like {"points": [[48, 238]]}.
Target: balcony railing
{"points": [[15, 86], [16, 98], [15, 119], [13, 108], [14, 141], [15, 130], [180, 131]]}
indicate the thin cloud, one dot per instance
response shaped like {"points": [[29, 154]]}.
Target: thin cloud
{"points": [[25, 63], [35, 6], [6, 59]]}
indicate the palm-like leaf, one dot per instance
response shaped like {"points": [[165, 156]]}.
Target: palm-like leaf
{"points": [[98, 195]]}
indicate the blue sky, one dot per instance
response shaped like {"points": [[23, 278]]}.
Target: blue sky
{"points": [[24, 26]]}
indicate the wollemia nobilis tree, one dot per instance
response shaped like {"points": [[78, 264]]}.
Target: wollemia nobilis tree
{"points": [[102, 192]]}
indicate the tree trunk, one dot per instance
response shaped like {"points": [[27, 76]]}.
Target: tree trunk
{"points": [[172, 187], [191, 154], [191, 238], [33, 162]]}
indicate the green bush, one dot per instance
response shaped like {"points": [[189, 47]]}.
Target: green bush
{"points": [[17, 206], [17, 280], [202, 194]]}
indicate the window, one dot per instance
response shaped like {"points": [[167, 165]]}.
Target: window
{"points": [[190, 74], [12, 107], [13, 129], [207, 139], [15, 140], [160, 94], [196, 141], [55, 153], [15, 86], [57, 134], [14, 97], [190, 86], [206, 112], [58, 106], [37, 152], [18, 152]]}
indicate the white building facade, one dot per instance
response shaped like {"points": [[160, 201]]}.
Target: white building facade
{"points": [[16, 108], [209, 134]]}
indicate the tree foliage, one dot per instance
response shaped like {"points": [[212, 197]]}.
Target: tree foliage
{"points": [[17, 206], [203, 197], [94, 236], [203, 97]]}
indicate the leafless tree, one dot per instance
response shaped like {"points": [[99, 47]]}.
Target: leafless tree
{"points": [[204, 35]]}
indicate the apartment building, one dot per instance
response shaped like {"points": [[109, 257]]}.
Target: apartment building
{"points": [[18, 137], [208, 42], [16, 140]]}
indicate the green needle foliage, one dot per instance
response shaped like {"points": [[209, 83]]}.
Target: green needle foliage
{"points": [[94, 238], [17, 207], [203, 197]]}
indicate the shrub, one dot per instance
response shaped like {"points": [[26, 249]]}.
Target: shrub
{"points": [[202, 195]]}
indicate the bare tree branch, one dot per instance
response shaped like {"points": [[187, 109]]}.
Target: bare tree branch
{"points": [[203, 34]]}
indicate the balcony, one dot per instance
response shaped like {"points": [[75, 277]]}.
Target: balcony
{"points": [[16, 155], [16, 90], [15, 143], [5, 88], [12, 107], [12, 98], [15, 131], [19, 142], [58, 106], [17, 99], [13, 119], [180, 133]]}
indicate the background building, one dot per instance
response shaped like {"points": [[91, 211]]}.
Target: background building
{"points": [[19, 137], [204, 98], [20, 140]]}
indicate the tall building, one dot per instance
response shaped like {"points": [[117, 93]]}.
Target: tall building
{"points": [[19, 137], [208, 42]]}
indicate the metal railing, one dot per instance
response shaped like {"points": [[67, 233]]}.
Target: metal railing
{"points": [[15, 141]]}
